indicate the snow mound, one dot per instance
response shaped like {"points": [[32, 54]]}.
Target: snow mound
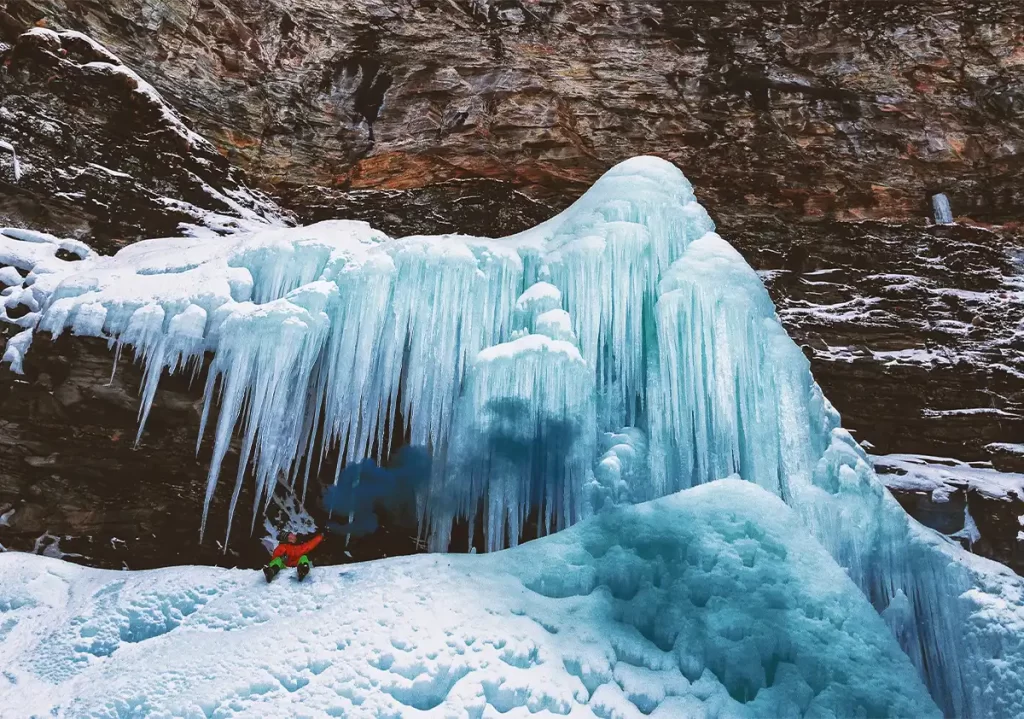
{"points": [[713, 602]]}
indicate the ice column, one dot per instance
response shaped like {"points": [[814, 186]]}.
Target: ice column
{"points": [[725, 406], [941, 209], [522, 437]]}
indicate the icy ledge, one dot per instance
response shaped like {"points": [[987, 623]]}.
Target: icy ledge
{"points": [[714, 602]]}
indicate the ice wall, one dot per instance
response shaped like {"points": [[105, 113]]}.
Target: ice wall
{"points": [[733, 398], [513, 362], [737, 395]]}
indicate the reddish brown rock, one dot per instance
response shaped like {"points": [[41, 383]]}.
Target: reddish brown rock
{"points": [[821, 109]]}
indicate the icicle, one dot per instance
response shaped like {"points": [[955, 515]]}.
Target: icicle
{"points": [[727, 409]]}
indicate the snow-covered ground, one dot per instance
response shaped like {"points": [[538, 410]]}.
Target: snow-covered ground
{"points": [[713, 602]]}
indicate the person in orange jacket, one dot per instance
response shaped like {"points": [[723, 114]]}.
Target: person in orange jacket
{"points": [[292, 554]]}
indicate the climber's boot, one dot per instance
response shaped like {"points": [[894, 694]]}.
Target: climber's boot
{"points": [[271, 570]]}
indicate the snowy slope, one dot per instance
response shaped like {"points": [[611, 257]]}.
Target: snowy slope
{"points": [[712, 602]]}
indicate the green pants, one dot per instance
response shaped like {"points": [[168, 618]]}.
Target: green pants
{"points": [[278, 562]]}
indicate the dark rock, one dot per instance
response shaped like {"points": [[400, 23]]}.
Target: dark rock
{"points": [[474, 207], [101, 157], [812, 109], [999, 525], [80, 487]]}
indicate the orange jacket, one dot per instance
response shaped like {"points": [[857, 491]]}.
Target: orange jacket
{"points": [[292, 552]]}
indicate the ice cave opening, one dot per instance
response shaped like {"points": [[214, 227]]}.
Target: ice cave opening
{"points": [[615, 354]]}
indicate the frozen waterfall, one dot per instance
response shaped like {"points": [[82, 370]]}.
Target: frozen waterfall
{"points": [[616, 353], [941, 209]]}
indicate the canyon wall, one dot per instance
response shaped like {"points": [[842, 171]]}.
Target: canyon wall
{"points": [[824, 108]]}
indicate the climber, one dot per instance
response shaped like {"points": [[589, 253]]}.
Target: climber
{"points": [[292, 554]]}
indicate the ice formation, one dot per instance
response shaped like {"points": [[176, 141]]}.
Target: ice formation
{"points": [[15, 165], [714, 602], [524, 438], [941, 209], [616, 353]]}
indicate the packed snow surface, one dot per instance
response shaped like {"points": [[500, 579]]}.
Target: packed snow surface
{"points": [[617, 353], [714, 602]]}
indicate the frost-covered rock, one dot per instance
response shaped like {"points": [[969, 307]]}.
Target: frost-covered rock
{"points": [[96, 150], [712, 602]]}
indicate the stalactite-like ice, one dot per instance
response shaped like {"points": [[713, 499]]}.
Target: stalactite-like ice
{"points": [[618, 352], [737, 395], [941, 209], [523, 439], [727, 406]]}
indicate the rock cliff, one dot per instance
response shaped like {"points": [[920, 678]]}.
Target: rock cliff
{"points": [[838, 109]]}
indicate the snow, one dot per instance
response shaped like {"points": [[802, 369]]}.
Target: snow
{"points": [[714, 602], [17, 347], [1006, 447], [319, 333], [937, 475], [556, 324], [35, 253], [538, 299], [9, 277], [969, 411], [108, 171]]}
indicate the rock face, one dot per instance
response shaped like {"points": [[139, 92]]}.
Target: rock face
{"points": [[72, 476], [915, 334], [88, 148], [819, 108], [968, 501]]}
